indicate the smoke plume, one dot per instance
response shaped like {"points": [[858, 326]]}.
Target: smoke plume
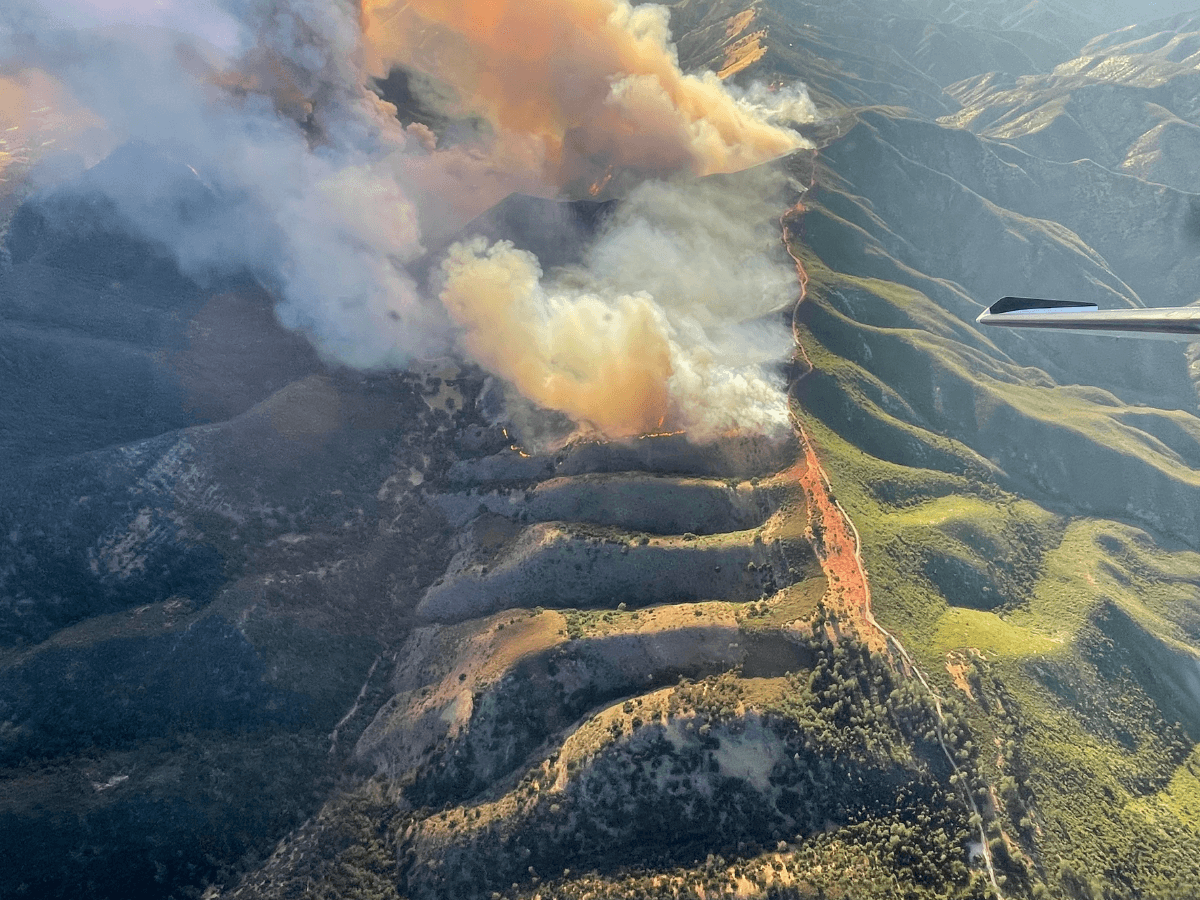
{"points": [[591, 87], [664, 325], [298, 172]]}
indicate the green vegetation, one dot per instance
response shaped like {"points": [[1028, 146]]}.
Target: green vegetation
{"points": [[1066, 638], [345, 853]]}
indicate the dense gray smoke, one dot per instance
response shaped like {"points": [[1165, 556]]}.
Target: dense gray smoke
{"points": [[305, 177]]}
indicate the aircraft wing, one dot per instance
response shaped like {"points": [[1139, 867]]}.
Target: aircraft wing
{"points": [[1174, 323]]}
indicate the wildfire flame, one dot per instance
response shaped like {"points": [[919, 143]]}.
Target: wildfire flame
{"points": [[601, 183]]}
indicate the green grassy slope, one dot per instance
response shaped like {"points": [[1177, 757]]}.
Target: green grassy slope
{"points": [[1069, 638], [1027, 513]]}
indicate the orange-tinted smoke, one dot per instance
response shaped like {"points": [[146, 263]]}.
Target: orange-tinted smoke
{"points": [[595, 83], [606, 364]]}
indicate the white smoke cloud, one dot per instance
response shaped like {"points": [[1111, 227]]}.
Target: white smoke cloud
{"points": [[322, 219], [782, 104], [303, 176], [666, 323]]}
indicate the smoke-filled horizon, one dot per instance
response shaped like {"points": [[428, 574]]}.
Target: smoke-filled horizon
{"points": [[311, 182]]}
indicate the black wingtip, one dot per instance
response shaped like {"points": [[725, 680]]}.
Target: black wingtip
{"points": [[1006, 305]]}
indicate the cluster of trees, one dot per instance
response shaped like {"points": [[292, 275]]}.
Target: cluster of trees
{"points": [[855, 746]]}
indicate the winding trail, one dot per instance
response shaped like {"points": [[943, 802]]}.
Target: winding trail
{"points": [[838, 547]]}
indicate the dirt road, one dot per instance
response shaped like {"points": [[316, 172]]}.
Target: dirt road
{"points": [[839, 548]]}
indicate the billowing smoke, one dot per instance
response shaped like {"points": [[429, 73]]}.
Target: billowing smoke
{"points": [[305, 177], [664, 323], [587, 87]]}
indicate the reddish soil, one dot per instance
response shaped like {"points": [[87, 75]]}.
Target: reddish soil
{"points": [[835, 539], [837, 546]]}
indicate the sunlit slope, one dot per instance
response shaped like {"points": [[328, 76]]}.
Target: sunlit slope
{"points": [[1027, 504], [1071, 639], [709, 725], [1127, 102], [917, 399], [605, 670]]}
